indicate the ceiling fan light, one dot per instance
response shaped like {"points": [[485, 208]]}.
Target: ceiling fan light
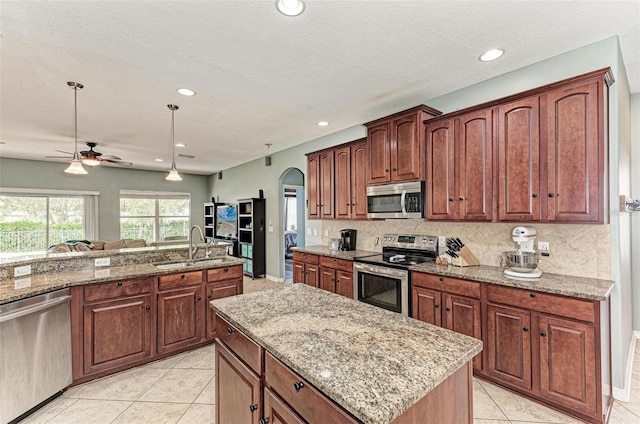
{"points": [[173, 175], [91, 161], [290, 7], [75, 167]]}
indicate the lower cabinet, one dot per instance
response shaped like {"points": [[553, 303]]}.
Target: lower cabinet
{"points": [[306, 269], [336, 276], [277, 412], [221, 282]]}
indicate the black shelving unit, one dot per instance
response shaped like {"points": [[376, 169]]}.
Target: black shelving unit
{"points": [[252, 236], [209, 220]]}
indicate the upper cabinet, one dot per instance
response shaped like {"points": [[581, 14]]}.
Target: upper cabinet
{"points": [[395, 146], [320, 185]]}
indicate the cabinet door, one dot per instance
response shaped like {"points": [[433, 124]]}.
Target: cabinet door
{"points": [[238, 390], [312, 275], [441, 198], [462, 315], [475, 166], [568, 365], [342, 204], [298, 272], [277, 412], [344, 284], [378, 152], [359, 181], [519, 160], [179, 317], [509, 345], [219, 290], [328, 279], [117, 333], [326, 185], [574, 154], [407, 150], [425, 305], [313, 184]]}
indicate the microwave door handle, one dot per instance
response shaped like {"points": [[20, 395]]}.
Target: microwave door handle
{"points": [[403, 197]]}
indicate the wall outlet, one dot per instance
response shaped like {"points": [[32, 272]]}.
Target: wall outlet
{"points": [[22, 283], [442, 241], [543, 247], [315, 231], [19, 271], [102, 273], [308, 231], [102, 262], [326, 233]]}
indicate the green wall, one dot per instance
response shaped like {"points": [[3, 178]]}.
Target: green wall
{"points": [[17, 173]]}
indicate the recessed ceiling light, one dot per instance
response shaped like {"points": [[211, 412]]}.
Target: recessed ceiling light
{"points": [[290, 7], [490, 55], [159, 160], [181, 145], [323, 123], [186, 92]]}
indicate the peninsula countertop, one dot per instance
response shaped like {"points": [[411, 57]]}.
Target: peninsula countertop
{"points": [[374, 363]]}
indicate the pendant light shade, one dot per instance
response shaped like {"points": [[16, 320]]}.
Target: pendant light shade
{"points": [[75, 165], [173, 172]]}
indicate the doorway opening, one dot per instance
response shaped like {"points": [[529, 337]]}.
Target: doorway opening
{"points": [[292, 216]]}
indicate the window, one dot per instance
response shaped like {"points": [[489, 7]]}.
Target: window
{"points": [[31, 220], [155, 217]]}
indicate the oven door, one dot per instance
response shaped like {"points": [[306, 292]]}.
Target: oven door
{"points": [[381, 286]]}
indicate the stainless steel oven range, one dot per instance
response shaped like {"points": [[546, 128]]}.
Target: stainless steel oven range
{"points": [[384, 280]]}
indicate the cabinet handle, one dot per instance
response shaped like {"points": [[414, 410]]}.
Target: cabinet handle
{"points": [[451, 199], [199, 298], [226, 270], [436, 306], [209, 297], [119, 283], [395, 169], [525, 329], [551, 194], [148, 308], [230, 331], [253, 408], [386, 170], [298, 386], [182, 276], [532, 295], [461, 198], [264, 421], [534, 195], [447, 309], [441, 278], [543, 334]]}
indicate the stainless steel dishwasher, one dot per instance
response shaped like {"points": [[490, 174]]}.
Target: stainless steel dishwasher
{"points": [[35, 351]]}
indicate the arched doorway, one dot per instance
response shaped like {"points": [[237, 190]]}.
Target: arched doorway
{"points": [[292, 218]]}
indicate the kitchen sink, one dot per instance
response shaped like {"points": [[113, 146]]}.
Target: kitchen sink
{"points": [[186, 264]]}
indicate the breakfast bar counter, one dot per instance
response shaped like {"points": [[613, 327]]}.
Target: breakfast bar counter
{"points": [[373, 363]]}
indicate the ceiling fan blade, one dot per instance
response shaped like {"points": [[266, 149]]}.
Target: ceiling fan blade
{"points": [[112, 157], [59, 157], [118, 162], [62, 151]]}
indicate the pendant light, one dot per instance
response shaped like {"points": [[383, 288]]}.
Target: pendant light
{"points": [[75, 165], [173, 172]]}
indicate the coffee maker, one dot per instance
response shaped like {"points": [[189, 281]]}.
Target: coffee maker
{"points": [[347, 239]]}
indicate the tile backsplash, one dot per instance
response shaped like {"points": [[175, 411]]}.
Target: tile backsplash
{"points": [[580, 250]]}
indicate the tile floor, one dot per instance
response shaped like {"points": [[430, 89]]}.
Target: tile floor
{"points": [[181, 390]]}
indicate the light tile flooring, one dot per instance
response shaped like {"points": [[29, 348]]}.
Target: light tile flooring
{"points": [[181, 389]]}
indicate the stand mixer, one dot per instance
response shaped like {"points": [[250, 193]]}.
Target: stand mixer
{"points": [[523, 262]]}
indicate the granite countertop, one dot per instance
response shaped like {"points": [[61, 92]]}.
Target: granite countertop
{"points": [[566, 285], [340, 254], [31, 285], [374, 363]]}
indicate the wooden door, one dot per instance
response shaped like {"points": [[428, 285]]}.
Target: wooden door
{"points": [[342, 204], [344, 283], [378, 152], [574, 154], [462, 315], [238, 390], [568, 368], [519, 160], [425, 305], [326, 185], [313, 182], [407, 150], [298, 272], [277, 412], [441, 196], [359, 180], [179, 317], [117, 333], [474, 192], [218, 290], [509, 345], [328, 279], [312, 275]]}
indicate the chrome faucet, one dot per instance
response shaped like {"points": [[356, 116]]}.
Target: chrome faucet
{"points": [[194, 249]]}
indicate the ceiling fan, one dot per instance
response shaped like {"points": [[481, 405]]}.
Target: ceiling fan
{"points": [[92, 158]]}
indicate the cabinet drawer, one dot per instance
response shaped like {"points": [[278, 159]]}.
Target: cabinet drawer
{"points": [[336, 263], [222, 273], [448, 284], [305, 399], [115, 289], [306, 258], [542, 302], [244, 347], [172, 281]]}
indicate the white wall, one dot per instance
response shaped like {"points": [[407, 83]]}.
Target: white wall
{"points": [[635, 217]]}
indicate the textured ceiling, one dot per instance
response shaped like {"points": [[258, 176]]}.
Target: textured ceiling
{"points": [[261, 77]]}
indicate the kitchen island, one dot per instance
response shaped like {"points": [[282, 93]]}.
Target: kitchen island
{"points": [[376, 365]]}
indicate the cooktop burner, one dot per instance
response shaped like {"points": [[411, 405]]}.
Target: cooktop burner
{"points": [[402, 251]]}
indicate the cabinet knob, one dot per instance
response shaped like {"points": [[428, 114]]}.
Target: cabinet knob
{"points": [[551, 195], [534, 195], [436, 306], [532, 295], [226, 270], [447, 309], [119, 283], [451, 199], [298, 386], [264, 421], [209, 297], [525, 329], [253, 408], [461, 198], [182, 276], [230, 331], [386, 170], [543, 334], [395, 169], [148, 308], [199, 298], [441, 278]]}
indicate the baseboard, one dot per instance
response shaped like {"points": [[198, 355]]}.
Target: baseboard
{"points": [[276, 279], [625, 394]]}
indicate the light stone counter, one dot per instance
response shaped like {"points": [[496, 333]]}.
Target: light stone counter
{"points": [[340, 254], [374, 363], [566, 285]]}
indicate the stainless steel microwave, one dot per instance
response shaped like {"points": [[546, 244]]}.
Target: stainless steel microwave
{"points": [[396, 200]]}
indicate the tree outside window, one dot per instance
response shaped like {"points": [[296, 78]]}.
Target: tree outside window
{"points": [[154, 217]]}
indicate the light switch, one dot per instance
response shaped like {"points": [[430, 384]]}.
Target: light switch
{"points": [[102, 261], [19, 271]]}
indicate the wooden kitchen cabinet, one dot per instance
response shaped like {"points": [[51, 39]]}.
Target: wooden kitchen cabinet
{"points": [[395, 146], [180, 312], [221, 282], [460, 167], [306, 269], [350, 181], [277, 412], [336, 276], [313, 181], [425, 305]]}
